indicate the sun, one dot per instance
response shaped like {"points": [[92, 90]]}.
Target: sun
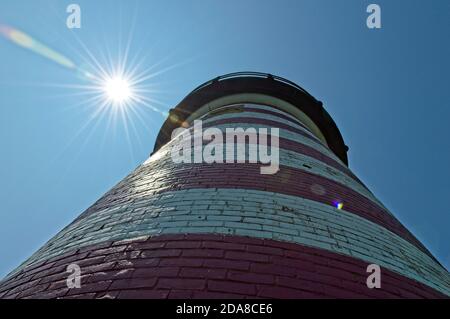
{"points": [[117, 90]]}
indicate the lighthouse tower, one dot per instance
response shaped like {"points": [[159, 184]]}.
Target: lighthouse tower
{"points": [[310, 229]]}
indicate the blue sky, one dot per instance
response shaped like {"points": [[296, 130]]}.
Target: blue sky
{"points": [[386, 89]]}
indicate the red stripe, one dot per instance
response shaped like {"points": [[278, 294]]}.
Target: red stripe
{"points": [[179, 266]]}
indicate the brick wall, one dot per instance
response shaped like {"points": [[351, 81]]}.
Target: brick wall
{"points": [[224, 230], [208, 266]]}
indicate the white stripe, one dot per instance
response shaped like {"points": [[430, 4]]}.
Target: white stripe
{"points": [[256, 214]]}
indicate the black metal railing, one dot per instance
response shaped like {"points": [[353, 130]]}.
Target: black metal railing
{"points": [[247, 74]]}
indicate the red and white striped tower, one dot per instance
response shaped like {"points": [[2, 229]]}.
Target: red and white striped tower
{"points": [[224, 230]]}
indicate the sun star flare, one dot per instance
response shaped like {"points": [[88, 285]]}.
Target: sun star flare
{"points": [[117, 90]]}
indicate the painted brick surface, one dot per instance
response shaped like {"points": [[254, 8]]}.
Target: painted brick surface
{"points": [[293, 136], [280, 122], [281, 115], [291, 155], [260, 215], [179, 266], [224, 230], [245, 176]]}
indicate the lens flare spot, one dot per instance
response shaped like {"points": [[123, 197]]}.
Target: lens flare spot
{"points": [[21, 38], [339, 205], [174, 118]]}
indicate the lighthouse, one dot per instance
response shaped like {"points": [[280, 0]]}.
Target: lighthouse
{"points": [[219, 227]]}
